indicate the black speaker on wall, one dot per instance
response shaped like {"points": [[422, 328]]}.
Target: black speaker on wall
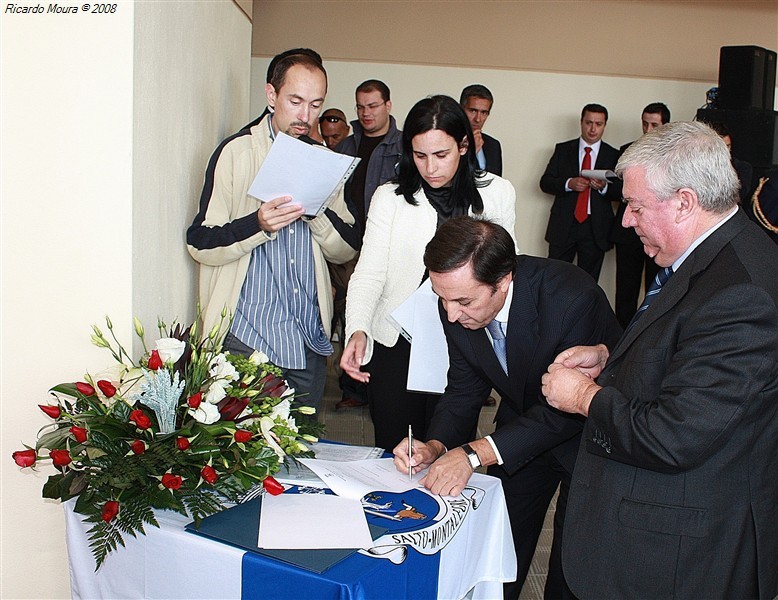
{"points": [[754, 133], [746, 78]]}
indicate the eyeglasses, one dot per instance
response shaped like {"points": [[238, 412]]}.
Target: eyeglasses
{"points": [[361, 109], [330, 119]]}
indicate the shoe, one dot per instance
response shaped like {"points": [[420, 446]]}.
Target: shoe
{"points": [[348, 402], [490, 401]]}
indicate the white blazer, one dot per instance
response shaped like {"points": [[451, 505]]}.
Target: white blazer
{"points": [[391, 264]]}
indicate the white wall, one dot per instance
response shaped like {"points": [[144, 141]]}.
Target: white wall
{"points": [[107, 124], [532, 111]]}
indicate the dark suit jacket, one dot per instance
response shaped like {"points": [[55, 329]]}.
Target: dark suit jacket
{"points": [[493, 154], [555, 305], [562, 166], [675, 491]]}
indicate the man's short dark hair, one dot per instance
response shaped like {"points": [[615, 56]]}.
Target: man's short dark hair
{"points": [[658, 108], [306, 51], [475, 91], [594, 108], [282, 68], [485, 245], [374, 85]]}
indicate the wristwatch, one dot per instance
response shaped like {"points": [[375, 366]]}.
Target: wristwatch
{"points": [[475, 462]]}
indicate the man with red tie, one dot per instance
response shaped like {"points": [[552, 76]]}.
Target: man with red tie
{"points": [[582, 213]]}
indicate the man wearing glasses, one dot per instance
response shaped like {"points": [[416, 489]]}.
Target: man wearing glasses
{"points": [[333, 126], [378, 142]]}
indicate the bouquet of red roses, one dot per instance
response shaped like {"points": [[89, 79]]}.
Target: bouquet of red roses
{"points": [[186, 428]]}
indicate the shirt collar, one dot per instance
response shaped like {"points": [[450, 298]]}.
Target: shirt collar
{"points": [[702, 238]]}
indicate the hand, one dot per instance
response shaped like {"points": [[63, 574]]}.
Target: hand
{"points": [[448, 475], [479, 140], [568, 389], [578, 184], [597, 184], [278, 213], [353, 354], [423, 455], [589, 360]]}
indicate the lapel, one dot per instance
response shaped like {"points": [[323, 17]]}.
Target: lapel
{"points": [[678, 285], [572, 158], [603, 156]]}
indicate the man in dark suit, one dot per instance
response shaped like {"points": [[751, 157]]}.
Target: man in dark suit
{"points": [[582, 214], [539, 306], [675, 487], [477, 101], [630, 258]]}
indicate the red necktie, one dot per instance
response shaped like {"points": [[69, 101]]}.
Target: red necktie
{"points": [[582, 205]]}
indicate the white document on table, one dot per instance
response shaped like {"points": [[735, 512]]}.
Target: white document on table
{"points": [[312, 521], [312, 176], [418, 320], [358, 478], [604, 174], [295, 473]]}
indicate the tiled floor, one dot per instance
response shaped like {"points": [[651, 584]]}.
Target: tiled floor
{"points": [[353, 426]]}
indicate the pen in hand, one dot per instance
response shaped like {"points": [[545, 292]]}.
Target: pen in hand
{"points": [[410, 453]]}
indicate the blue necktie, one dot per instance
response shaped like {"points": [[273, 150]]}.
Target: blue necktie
{"points": [[654, 289], [498, 343]]}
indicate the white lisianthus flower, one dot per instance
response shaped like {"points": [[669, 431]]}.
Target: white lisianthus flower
{"points": [[281, 410], [128, 382], [221, 368], [215, 392], [258, 357], [205, 413], [310, 438], [170, 349], [266, 425], [306, 410], [288, 392]]}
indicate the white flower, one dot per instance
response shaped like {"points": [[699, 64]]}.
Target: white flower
{"points": [[306, 410], [281, 410], [265, 425], [221, 368], [205, 413], [216, 392], [170, 349], [288, 392], [258, 357]]}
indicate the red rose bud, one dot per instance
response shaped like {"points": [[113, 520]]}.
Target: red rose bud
{"points": [[172, 482], [107, 388], [79, 433], [272, 487], [195, 401], [85, 388], [60, 458], [140, 419], [155, 362], [209, 474], [182, 443], [110, 510], [138, 447], [25, 458], [53, 411], [241, 435]]}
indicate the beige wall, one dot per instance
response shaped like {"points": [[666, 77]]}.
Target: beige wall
{"points": [[650, 38], [106, 129]]}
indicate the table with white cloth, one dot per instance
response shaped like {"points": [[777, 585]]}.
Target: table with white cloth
{"points": [[435, 547]]}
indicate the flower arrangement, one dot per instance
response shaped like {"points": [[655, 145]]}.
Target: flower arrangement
{"points": [[186, 428]]}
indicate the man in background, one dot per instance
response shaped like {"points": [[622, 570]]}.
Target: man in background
{"points": [[477, 101], [630, 257], [538, 307], [676, 479], [378, 142], [263, 262], [334, 127], [582, 215]]}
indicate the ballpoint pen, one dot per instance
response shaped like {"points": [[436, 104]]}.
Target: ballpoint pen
{"points": [[410, 453]]}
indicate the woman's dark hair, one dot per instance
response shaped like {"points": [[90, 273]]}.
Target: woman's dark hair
{"points": [[443, 113]]}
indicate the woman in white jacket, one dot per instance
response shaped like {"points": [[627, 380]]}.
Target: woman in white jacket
{"points": [[438, 178]]}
